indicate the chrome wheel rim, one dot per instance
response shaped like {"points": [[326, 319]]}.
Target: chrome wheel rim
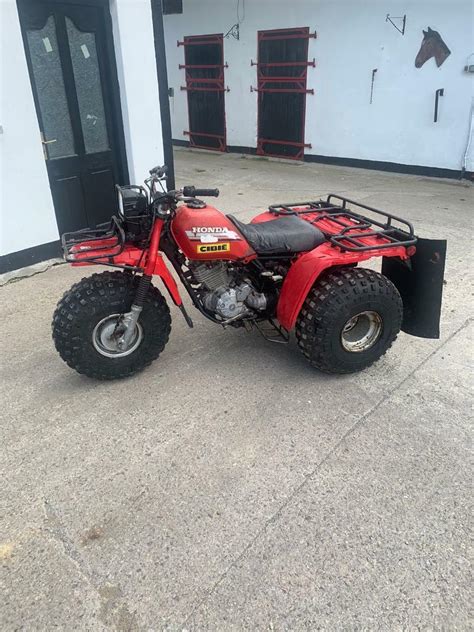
{"points": [[361, 331], [107, 333]]}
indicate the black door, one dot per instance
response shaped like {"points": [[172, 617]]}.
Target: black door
{"points": [[204, 66], [281, 72], [73, 75]]}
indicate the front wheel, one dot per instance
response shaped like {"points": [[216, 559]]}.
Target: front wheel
{"points": [[87, 325], [349, 320]]}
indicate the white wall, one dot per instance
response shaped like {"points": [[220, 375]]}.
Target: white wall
{"points": [[26, 208], [353, 38], [136, 66], [27, 215]]}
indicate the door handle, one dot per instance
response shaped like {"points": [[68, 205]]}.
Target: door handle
{"points": [[46, 142]]}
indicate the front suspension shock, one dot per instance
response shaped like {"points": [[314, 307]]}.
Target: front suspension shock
{"points": [[131, 318]]}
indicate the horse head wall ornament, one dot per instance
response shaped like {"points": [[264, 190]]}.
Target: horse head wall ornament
{"points": [[432, 46]]}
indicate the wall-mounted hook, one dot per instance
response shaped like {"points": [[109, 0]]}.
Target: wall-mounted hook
{"points": [[439, 93], [372, 85]]}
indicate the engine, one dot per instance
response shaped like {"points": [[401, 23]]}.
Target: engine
{"points": [[225, 293]]}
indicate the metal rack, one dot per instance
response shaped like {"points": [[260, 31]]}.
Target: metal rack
{"points": [[91, 244], [348, 229]]}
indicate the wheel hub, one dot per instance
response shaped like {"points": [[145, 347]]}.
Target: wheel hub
{"points": [[361, 331], [107, 334]]}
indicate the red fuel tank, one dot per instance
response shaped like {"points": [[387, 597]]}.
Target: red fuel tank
{"points": [[206, 234]]}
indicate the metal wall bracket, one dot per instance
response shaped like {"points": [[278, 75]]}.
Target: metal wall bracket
{"points": [[403, 22]]}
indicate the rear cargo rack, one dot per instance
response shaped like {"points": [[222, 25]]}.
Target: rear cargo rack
{"points": [[91, 244], [349, 229]]}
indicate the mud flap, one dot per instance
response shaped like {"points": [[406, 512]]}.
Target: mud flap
{"points": [[420, 283]]}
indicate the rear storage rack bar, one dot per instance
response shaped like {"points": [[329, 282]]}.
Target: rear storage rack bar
{"points": [[348, 229], [91, 244]]}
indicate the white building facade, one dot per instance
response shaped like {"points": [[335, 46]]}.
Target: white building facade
{"points": [[366, 103], [79, 112]]}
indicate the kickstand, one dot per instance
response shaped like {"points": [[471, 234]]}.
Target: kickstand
{"points": [[282, 335]]}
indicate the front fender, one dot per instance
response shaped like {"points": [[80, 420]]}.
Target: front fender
{"points": [[132, 257], [162, 271], [308, 267]]}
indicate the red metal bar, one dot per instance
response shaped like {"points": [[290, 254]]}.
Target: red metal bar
{"points": [[284, 142], [287, 37], [191, 89], [283, 64], [281, 90], [285, 79], [203, 134], [297, 156], [193, 40], [218, 137], [295, 29], [202, 66], [204, 80]]}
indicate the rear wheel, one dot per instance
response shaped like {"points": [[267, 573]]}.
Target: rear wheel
{"points": [[349, 320], [87, 326]]}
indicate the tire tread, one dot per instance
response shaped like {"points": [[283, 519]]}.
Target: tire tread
{"points": [[87, 297], [335, 291]]}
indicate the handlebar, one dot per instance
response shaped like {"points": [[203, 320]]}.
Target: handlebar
{"points": [[158, 171], [191, 191]]}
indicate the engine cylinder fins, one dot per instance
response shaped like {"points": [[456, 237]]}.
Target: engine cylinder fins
{"points": [[212, 275]]}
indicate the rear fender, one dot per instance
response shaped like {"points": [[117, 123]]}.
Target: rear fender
{"points": [[307, 269], [420, 283]]}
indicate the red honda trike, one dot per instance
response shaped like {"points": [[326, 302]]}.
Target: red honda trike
{"points": [[295, 266]]}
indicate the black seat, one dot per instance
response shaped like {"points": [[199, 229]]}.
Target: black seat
{"points": [[278, 236]]}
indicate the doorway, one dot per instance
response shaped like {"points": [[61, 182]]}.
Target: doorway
{"points": [[204, 67], [282, 69], [71, 61]]}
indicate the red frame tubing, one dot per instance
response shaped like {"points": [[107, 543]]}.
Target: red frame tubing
{"points": [[211, 84], [307, 269], [155, 264]]}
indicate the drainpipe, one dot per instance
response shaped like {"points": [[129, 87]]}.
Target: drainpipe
{"points": [[469, 141]]}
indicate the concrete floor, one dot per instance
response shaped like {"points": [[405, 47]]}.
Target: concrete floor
{"points": [[230, 486]]}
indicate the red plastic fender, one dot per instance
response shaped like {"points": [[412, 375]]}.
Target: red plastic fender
{"points": [[309, 266], [132, 256], [162, 271], [156, 265]]}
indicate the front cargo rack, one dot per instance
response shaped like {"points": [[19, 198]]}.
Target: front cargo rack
{"points": [[92, 244], [348, 229]]}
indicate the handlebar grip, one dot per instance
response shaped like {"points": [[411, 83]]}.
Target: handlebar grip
{"points": [[193, 192], [159, 171]]}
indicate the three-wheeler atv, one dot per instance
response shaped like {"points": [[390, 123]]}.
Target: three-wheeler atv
{"points": [[295, 266]]}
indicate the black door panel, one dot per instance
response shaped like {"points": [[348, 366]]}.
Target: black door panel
{"points": [[70, 70], [204, 65], [281, 73]]}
